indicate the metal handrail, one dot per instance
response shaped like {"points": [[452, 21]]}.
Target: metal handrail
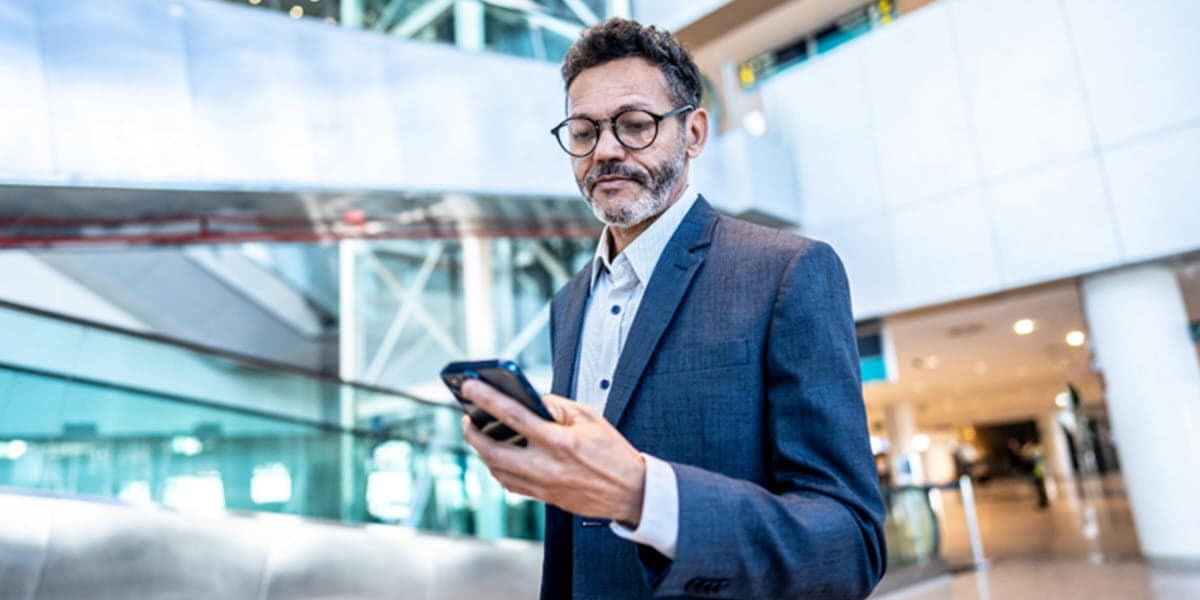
{"points": [[230, 355]]}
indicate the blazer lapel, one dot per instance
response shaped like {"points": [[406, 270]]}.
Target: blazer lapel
{"points": [[673, 274], [567, 326]]}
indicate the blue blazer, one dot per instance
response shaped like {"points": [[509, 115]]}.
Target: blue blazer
{"points": [[741, 371]]}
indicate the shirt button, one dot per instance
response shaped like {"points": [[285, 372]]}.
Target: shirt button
{"points": [[604, 384], [616, 310]]}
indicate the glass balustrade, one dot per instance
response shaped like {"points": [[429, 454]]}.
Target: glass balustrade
{"points": [[92, 410], [911, 528], [89, 411]]}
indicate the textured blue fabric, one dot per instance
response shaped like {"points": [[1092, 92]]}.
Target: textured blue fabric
{"points": [[741, 371]]}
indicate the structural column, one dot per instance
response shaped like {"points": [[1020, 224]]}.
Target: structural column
{"points": [[350, 351], [1054, 442], [1139, 332], [469, 24], [479, 305], [351, 13], [905, 461]]}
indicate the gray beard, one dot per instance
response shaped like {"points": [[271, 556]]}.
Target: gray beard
{"points": [[647, 204]]}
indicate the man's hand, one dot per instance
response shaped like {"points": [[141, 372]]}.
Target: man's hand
{"points": [[579, 462]]}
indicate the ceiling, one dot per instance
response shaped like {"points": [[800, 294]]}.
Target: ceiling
{"points": [[742, 29], [962, 364], [45, 216]]}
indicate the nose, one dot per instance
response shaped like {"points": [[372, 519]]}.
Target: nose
{"points": [[607, 147]]}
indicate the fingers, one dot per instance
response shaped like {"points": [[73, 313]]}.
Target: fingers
{"points": [[566, 411], [508, 411], [495, 453], [519, 484], [510, 465]]}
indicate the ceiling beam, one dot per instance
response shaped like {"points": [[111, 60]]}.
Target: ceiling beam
{"points": [[721, 21]]}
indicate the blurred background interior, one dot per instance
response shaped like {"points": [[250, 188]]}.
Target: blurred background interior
{"points": [[238, 240]]}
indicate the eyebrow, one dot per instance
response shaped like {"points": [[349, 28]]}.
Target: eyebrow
{"points": [[620, 109]]}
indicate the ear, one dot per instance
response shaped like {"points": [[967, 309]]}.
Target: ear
{"points": [[697, 132]]}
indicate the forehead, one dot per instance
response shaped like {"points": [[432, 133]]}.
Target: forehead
{"points": [[603, 89]]}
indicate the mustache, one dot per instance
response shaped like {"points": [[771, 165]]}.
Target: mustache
{"points": [[618, 169]]}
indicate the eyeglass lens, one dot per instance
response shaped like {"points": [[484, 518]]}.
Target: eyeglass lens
{"points": [[634, 129]]}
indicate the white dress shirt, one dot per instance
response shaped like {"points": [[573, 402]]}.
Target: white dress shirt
{"points": [[615, 294]]}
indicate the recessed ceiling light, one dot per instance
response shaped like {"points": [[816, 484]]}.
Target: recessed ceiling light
{"points": [[1076, 338], [1024, 327], [13, 450], [296, 12]]}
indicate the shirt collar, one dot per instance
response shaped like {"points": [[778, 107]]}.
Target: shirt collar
{"points": [[643, 252]]}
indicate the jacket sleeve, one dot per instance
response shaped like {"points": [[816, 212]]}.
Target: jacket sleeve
{"points": [[815, 530]]}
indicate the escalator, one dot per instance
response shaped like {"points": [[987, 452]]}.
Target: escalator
{"points": [[131, 466]]}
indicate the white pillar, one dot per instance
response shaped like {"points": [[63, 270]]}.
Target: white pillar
{"points": [[352, 13], [350, 351], [620, 8], [479, 304], [906, 464], [1139, 331], [468, 24], [478, 298], [1054, 441]]}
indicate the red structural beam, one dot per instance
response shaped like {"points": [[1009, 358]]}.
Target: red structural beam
{"points": [[217, 230]]}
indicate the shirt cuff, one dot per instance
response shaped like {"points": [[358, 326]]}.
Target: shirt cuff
{"points": [[659, 528]]}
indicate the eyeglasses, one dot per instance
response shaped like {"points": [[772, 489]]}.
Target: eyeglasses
{"points": [[635, 129]]}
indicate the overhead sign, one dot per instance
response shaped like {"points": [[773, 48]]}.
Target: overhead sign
{"points": [[851, 25], [876, 359]]}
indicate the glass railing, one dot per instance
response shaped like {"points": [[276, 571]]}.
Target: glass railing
{"points": [[91, 410], [911, 528], [87, 410]]}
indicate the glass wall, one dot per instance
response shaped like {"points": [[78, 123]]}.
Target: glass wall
{"points": [[421, 304], [537, 29], [195, 448]]}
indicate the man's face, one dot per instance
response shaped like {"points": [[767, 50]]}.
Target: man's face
{"points": [[625, 187]]}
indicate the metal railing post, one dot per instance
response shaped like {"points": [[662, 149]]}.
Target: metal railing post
{"points": [[972, 518]]}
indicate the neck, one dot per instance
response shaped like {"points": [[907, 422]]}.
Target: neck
{"points": [[621, 237]]}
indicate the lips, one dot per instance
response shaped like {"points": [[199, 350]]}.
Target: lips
{"points": [[613, 174], [605, 182]]}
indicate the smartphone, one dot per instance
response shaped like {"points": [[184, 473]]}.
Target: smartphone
{"points": [[505, 376]]}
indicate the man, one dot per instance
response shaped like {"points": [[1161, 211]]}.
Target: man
{"points": [[716, 445]]}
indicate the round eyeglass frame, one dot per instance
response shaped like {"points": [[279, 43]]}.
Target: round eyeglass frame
{"points": [[612, 124]]}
